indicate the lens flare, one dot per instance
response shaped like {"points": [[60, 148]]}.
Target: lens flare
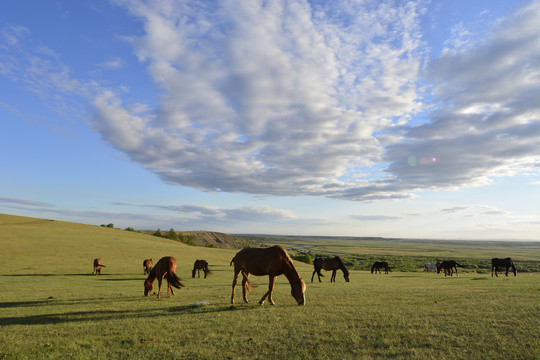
{"points": [[426, 160]]}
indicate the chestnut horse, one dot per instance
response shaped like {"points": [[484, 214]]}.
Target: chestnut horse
{"points": [[165, 268], [506, 262], [272, 261], [97, 266], [198, 266], [378, 265], [147, 266], [328, 264], [448, 266]]}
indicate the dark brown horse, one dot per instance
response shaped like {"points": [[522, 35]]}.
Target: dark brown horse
{"points": [[328, 264], [198, 266], [506, 263], [147, 266], [165, 268], [448, 266], [97, 266], [378, 265], [272, 261]]}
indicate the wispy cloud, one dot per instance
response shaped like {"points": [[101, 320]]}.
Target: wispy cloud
{"points": [[112, 64], [374, 217], [32, 203], [211, 213]]}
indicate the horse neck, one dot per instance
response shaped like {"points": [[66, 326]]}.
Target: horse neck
{"points": [[152, 276], [291, 273]]}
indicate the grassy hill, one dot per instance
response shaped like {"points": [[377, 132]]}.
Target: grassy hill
{"points": [[51, 307], [62, 247]]}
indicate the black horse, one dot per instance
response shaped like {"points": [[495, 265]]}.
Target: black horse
{"points": [[378, 265], [448, 266], [198, 266], [328, 264], [506, 262]]}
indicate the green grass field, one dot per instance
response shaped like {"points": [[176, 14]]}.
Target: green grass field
{"points": [[52, 307]]}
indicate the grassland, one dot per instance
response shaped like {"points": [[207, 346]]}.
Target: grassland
{"points": [[51, 306]]}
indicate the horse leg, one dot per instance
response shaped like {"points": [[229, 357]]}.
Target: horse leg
{"points": [[235, 279], [245, 287], [160, 279], [271, 284], [333, 278], [169, 288], [313, 275], [492, 271], [507, 268]]}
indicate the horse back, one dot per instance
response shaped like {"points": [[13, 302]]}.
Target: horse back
{"points": [[263, 261], [164, 265]]}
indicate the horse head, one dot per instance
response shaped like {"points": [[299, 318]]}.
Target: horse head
{"points": [[148, 286], [298, 292]]}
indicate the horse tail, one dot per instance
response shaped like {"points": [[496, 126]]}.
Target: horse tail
{"points": [[232, 261], [249, 284], [462, 266], [174, 280], [101, 265]]}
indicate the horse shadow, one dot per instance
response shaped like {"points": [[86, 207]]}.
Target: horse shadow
{"points": [[104, 315]]}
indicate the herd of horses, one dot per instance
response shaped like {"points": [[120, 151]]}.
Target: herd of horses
{"points": [[275, 261]]}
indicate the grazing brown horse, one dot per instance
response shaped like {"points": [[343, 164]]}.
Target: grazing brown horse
{"points": [[97, 266], [448, 266], [165, 268], [378, 265], [506, 262], [200, 265], [328, 264], [147, 266], [272, 261]]}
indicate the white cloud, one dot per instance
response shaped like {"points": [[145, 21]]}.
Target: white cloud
{"points": [[293, 98], [487, 123], [277, 98], [112, 63]]}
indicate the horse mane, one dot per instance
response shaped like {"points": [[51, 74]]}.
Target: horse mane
{"points": [[342, 265]]}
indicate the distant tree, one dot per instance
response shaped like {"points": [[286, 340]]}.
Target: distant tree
{"points": [[172, 235], [110, 225], [158, 233], [187, 239], [129, 229], [305, 258]]}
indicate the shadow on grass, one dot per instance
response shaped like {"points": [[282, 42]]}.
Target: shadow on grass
{"points": [[105, 315]]}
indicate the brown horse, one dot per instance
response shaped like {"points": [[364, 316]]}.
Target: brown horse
{"points": [[378, 265], [272, 261], [506, 262], [97, 266], [328, 264], [165, 268], [198, 266], [448, 266], [147, 266]]}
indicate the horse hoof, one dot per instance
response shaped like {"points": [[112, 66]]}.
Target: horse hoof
{"points": [[261, 303]]}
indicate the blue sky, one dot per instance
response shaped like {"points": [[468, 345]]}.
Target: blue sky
{"points": [[410, 119]]}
